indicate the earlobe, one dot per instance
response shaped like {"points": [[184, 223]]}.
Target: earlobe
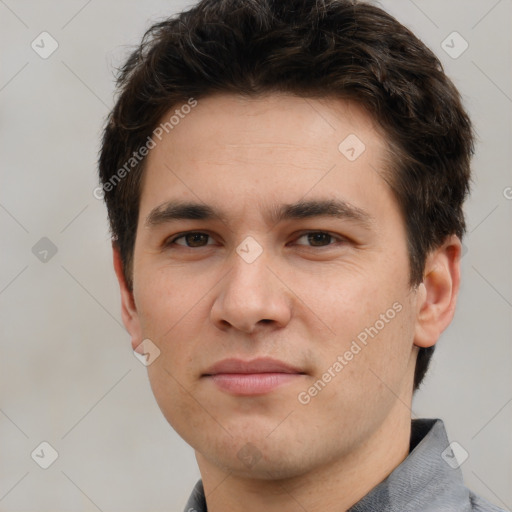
{"points": [[128, 308], [437, 295]]}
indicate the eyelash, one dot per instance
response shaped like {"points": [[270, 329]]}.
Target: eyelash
{"points": [[171, 241]]}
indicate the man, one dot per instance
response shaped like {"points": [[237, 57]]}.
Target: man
{"points": [[285, 182]]}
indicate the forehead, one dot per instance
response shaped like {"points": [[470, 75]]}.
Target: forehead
{"points": [[271, 149], [271, 122]]}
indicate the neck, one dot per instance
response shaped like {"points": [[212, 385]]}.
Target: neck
{"points": [[336, 486]]}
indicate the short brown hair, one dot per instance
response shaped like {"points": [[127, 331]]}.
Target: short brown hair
{"points": [[309, 48]]}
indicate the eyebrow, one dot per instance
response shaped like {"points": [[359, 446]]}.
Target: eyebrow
{"points": [[179, 210]]}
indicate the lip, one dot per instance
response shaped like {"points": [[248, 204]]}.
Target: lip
{"points": [[259, 365], [254, 377]]}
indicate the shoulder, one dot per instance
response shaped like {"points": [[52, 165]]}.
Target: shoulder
{"points": [[479, 504]]}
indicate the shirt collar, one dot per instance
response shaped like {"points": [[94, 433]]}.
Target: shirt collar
{"points": [[423, 481]]}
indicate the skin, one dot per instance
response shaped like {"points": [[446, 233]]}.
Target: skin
{"points": [[302, 302]]}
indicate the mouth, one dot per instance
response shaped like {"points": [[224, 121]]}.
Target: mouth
{"points": [[254, 377]]}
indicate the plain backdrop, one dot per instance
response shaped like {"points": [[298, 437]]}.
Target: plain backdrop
{"points": [[67, 373]]}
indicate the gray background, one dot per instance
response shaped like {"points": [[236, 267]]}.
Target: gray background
{"points": [[67, 373]]}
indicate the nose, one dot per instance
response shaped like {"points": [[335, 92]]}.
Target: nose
{"points": [[251, 296]]}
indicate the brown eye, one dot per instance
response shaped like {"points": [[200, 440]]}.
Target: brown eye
{"points": [[192, 239], [317, 239]]}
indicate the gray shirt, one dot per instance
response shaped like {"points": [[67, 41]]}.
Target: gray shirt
{"points": [[428, 480]]}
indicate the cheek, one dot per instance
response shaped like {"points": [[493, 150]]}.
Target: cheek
{"points": [[343, 301], [182, 412], [386, 346], [370, 359], [166, 299], [371, 318]]}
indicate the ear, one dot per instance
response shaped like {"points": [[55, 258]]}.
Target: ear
{"points": [[437, 294], [128, 308]]}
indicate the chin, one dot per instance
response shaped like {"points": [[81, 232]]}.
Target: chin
{"points": [[263, 458], [268, 467]]}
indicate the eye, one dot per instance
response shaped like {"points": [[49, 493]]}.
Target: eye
{"points": [[318, 239], [190, 239]]}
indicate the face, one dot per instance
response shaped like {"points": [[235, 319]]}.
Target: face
{"points": [[271, 271]]}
